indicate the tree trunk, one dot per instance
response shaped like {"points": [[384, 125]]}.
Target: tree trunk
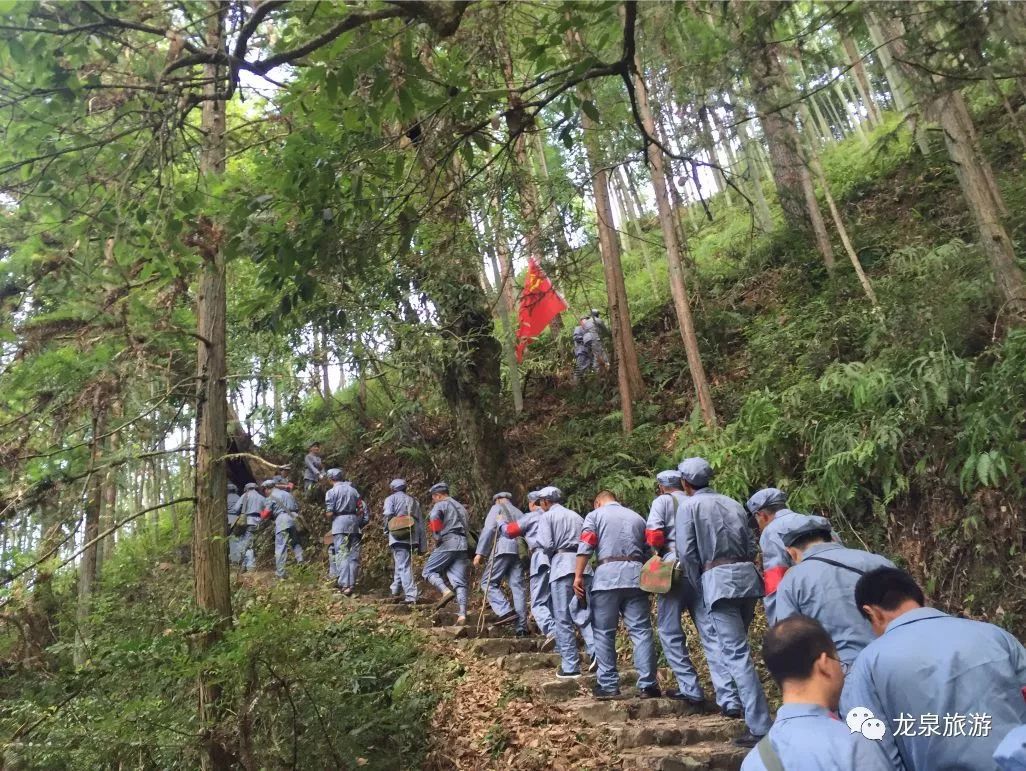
{"points": [[772, 95], [862, 83], [209, 547], [886, 35], [325, 382], [628, 373], [502, 266], [634, 224], [94, 498], [678, 288], [986, 204], [763, 216]]}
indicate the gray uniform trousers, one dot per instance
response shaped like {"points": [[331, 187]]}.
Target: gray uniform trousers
{"points": [[541, 602], [508, 568], [564, 621], [607, 607], [456, 566], [281, 551], [731, 619], [402, 575], [669, 608], [347, 558]]}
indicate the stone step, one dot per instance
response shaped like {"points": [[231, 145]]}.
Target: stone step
{"points": [[675, 731], [593, 711], [523, 662], [561, 690], [717, 756], [502, 646]]}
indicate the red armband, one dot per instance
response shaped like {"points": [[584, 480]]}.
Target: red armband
{"points": [[513, 530], [436, 525], [655, 538], [265, 514], [589, 537], [772, 578]]}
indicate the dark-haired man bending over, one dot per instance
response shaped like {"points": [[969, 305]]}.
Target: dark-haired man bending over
{"points": [[927, 663], [807, 736]]}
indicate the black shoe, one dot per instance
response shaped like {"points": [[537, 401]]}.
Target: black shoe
{"points": [[651, 692], [521, 634], [601, 695], [747, 739], [507, 619], [697, 703], [735, 713], [561, 675]]}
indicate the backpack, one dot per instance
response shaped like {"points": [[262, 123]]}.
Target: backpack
{"points": [[402, 527], [657, 576]]}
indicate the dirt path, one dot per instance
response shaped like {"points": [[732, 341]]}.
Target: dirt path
{"points": [[509, 711]]}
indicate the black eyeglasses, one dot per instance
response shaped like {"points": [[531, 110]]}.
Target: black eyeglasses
{"points": [[845, 667]]}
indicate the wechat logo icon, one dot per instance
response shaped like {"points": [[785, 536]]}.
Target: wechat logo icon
{"points": [[861, 720]]}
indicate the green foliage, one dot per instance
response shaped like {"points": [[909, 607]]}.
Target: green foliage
{"points": [[309, 687]]}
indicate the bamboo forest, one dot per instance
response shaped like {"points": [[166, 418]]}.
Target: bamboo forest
{"points": [[363, 363]]}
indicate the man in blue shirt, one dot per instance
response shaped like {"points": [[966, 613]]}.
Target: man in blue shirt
{"points": [[616, 535], [503, 564], [448, 522], [822, 584], [402, 504], [807, 734], [927, 663], [348, 514], [717, 552]]}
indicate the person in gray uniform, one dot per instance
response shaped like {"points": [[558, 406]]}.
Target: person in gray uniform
{"points": [[348, 515], [616, 535], [252, 506], [313, 467], [660, 533], [402, 543], [821, 584], [285, 533], [541, 598], [448, 522], [593, 327], [717, 551], [559, 535], [502, 555], [234, 555]]}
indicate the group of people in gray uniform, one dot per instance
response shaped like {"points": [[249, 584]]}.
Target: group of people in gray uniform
{"points": [[248, 512], [849, 633], [589, 353]]}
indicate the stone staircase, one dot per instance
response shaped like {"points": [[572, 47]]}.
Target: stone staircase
{"points": [[656, 734]]}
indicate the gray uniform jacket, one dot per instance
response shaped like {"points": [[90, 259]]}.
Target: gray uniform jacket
{"points": [[529, 530], [663, 517], [498, 515], [930, 664], [613, 530], [343, 502], [313, 466], [233, 508], [452, 536], [592, 327], [400, 504], [827, 593], [284, 519], [717, 548], [559, 536], [250, 505]]}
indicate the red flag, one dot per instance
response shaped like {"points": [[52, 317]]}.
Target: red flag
{"points": [[540, 303]]}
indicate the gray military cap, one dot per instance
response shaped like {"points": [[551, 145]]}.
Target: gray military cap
{"points": [[669, 478], [769, 496], [267, 483], [334, 474], [232, 488], [397, 484], [695, 471], [809, 524], [250, 486], [550, 494], [505, 495], [439, 487], [533, 496]]}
